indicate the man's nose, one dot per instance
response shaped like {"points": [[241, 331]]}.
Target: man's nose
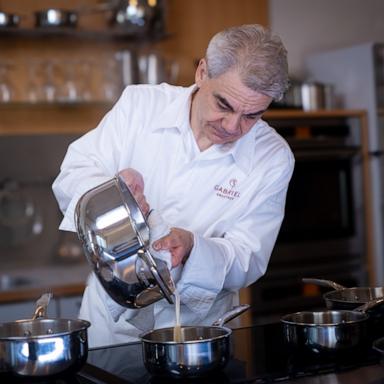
{"points": [[231, 123]]}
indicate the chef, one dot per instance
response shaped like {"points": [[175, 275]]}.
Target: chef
{"points": [[205, 161]]}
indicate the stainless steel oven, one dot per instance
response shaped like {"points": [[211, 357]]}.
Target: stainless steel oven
{"points": [[322, 234]]}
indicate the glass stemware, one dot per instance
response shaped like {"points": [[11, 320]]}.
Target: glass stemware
{"points": [[49, 88], [6, 87]]}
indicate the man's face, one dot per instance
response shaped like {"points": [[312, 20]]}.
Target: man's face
{"points": [[224, 109]]}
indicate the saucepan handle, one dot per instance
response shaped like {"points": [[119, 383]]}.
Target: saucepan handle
{"points": [[41, 306], [370, 304], [234, 312], [323, 283]]}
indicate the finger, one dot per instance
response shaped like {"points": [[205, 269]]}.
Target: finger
{"points": [[162, 244]]}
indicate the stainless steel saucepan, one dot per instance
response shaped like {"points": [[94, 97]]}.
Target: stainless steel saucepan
{"points": [[41, 347], [115, 237], [200, 350], [346, 298], [329, 331]]}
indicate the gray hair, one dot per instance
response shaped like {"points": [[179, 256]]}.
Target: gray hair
{"points": [[259, 57]]}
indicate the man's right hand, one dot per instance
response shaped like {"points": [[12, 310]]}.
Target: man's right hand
{"points": [[135, 182]]}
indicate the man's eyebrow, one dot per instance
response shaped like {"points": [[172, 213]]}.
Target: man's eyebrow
{"points": [[223, 101], [256, 113]]}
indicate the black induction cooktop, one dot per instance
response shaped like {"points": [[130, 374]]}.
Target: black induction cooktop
{"points": [[259, 356]]}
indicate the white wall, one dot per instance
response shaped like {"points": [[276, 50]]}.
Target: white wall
{"points": [[308, 26]]}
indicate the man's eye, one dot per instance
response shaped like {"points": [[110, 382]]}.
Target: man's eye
{"points": [[222, 106], [251, 117]]}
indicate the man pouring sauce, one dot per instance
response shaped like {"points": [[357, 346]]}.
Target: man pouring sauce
{"points": [[203, 158]]}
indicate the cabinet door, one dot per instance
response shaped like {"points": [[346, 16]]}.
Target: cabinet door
{"points": [[23, 310]]}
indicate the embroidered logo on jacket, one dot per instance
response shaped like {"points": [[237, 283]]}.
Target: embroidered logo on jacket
{"points": [[227, 192]]}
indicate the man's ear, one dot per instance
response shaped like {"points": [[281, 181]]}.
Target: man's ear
{"points": [[201, 72]]}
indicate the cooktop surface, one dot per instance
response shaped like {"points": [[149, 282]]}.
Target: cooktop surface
{"points": [[259, 355]]}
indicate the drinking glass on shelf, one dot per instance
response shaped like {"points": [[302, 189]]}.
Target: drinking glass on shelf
{"points": [[6, 87], [84, 79], [111, 83], [69, 89], [49, 87], [33, 86]]}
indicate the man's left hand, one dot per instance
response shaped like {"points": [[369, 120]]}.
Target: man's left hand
{"points": [[179, 242]]}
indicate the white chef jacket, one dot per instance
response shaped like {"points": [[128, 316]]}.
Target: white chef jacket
{"points": [[231, 197]]}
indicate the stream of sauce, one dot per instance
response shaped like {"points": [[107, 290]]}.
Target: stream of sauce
{"points": [[177, 334]]}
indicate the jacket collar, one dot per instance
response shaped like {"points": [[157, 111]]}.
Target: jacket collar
{"points": [[241, 151]]}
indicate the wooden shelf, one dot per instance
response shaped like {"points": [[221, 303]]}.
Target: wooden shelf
{"points": [[97, 35], [21, 118]]}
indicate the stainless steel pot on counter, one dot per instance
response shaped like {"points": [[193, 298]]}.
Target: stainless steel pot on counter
{"points": [[115, 238], [200, 350], [41, 347]]}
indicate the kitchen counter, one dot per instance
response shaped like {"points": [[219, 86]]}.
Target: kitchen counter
{"points": [[27, 284]]}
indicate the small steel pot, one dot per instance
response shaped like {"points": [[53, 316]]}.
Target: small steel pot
{"points": [[53, 17], [351, 298], [346, 298], [328, 331], [8, 20], [41, 347], [203, 349]]}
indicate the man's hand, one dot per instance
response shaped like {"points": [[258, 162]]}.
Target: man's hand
{"points": [[135, 183], [178, 242]]}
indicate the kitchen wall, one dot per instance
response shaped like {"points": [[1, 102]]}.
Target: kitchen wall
{"points": [[33, 163], [308, 26]]}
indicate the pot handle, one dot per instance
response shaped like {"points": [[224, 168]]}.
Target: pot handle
{"points": [[166, 290], [370, 304], [234, 312], [41, 306], [323, 283]]}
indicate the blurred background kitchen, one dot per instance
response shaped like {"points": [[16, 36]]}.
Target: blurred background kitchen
{"points": [[64, 63]]}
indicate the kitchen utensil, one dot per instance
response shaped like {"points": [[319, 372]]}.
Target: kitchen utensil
{"points": [[346, 298], [43, 347], [328, 331], [316, 96], [8, 20], [203, 349], [54, 17], [350, 298], [115, 236], [135, 17]]}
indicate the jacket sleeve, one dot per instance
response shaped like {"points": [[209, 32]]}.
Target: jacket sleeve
{"points": [[241, 255]]}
